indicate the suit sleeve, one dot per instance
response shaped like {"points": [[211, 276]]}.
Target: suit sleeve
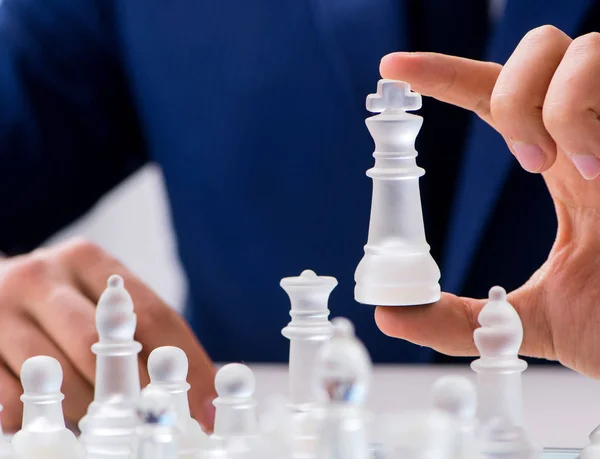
{"points": [[68, 131]]}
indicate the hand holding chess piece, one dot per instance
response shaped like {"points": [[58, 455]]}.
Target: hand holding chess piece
{"points": [[544, 101]]}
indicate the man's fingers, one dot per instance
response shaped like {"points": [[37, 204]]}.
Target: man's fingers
{"points": [[572, 106], [463, 82], [10, 391], [448, 325], [519, 94], [22, 339], [68, 317]]}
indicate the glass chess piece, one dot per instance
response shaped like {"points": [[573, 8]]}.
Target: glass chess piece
{"points": [[397, 268]]}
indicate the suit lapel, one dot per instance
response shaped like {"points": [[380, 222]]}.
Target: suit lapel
{"points": [[487, 161]]}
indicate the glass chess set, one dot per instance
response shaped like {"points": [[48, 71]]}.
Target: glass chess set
{"points": [[325, 357]]}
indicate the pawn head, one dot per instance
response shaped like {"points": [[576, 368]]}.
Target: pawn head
{"points": [[456, 396], [167, 365], [41, 375], [235, 380]]}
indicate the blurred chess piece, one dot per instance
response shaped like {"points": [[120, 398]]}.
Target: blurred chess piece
{"points": [[155, 436], [501, 439], [277, 423], [342, 377], [397, 268], [456, 397], [236, 422], [592, 450], [499, 391], [168, 370], [499, 386], [307, 331], [43, 433], [427, 434]]}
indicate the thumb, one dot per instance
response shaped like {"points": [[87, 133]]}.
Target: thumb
{"points": [[458, 81], [448, 325]]}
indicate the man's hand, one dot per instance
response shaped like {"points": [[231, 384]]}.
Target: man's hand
{"points": [[545, 102], [47, 307]]}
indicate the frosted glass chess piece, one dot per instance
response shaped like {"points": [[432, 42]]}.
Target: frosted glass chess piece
{"points": [[342, 376], [307, 331], [499, 386], [214, 448], [499, 391], [288, 432], [592, 450], [43, 434], [236, 421], [6, 449], [108, 426], [501, 439], [168, 369], [397, 268], [155, 436], [277, 424], [456, 397], [424, 434]]}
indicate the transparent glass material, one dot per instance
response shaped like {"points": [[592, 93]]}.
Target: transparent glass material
{"points": [[397, 268], [108, 426], [343, 372], [156, 436], [499, 368], [560, 453], [156, 443], [43, 434], [168, 369], [307, 331]]}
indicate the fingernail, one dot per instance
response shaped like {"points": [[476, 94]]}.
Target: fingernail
{"points": [[531, 157], [587, 165], [387, 57]]}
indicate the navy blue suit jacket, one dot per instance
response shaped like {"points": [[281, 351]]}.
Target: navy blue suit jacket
{"points": [[255, 112]]}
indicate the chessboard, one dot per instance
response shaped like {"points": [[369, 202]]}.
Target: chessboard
{"points": [[549, 393], [324, 405], [561, 453]]}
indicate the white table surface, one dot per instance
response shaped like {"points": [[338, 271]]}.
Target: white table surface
{"points": [[561, 407]]}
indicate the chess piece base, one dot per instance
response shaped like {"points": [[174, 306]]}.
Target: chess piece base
{"points": [[381, 295], [399, 279]]}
